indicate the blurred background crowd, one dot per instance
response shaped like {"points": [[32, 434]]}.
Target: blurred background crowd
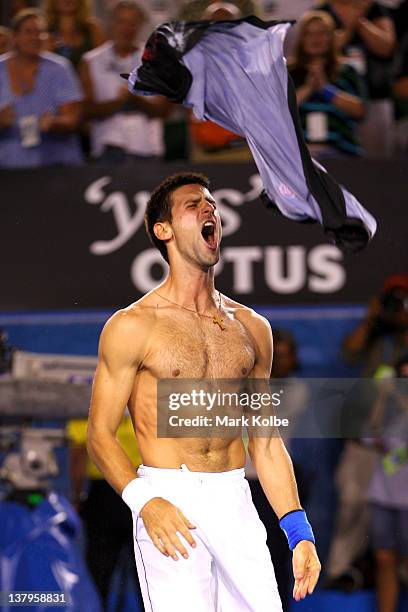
{"points": [[63, 103]]}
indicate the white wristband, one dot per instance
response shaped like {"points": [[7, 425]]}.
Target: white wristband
{"points": [[137, 493]]}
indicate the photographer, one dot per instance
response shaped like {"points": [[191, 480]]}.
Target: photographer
{"points": [[382, 336], [388, 491]]}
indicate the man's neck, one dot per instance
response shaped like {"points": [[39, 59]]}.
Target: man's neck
{"points": [[193, 289]]}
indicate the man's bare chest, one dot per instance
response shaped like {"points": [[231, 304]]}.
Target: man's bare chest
{"points": [[191, 347]]}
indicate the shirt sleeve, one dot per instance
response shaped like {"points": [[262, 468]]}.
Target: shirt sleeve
{"points": [[67, 87]]}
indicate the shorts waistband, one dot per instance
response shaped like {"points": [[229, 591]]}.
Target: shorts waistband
{"points": [[183, 472]]}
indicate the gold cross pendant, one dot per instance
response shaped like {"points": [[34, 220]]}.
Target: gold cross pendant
{"points": [[218, 321]]}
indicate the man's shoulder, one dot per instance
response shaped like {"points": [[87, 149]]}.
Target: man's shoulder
{"points": [[137, 316], [247, 316]]}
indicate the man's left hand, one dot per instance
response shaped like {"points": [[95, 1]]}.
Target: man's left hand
{"points": [[306, 569]]}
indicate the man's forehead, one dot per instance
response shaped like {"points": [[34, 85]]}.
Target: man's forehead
{"points": [[193, 189]]}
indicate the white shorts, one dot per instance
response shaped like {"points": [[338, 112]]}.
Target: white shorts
{"points": [[230, 570]]}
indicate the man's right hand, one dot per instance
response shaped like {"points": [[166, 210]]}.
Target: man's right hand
{"points": [[163, 521]]}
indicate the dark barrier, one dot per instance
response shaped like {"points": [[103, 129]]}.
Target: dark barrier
{"points": [[75, 237]]}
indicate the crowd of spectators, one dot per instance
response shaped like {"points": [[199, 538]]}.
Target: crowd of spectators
{"points": [[62, 101]]}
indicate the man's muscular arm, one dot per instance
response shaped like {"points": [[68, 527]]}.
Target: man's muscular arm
{"points": [[269, 455], [121, 349], [275, 471], [120, 353]]}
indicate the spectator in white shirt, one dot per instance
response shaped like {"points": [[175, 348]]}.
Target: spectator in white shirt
{"points": [[123, 127]]}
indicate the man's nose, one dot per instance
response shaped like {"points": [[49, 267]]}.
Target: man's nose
{"points": [[208, 207]]}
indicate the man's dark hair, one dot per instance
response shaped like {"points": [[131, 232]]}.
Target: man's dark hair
{"points": [[159, 205]]}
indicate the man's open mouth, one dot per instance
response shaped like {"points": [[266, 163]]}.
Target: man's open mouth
{"points": [[209, 234]]}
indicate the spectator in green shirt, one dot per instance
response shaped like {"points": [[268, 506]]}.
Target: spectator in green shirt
{"points": [[331, 95]]}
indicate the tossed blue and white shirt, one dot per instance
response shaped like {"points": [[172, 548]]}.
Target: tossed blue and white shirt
{"points": [[234, 73]]}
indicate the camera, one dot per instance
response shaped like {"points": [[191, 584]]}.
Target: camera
{"points": [[394, 302]]}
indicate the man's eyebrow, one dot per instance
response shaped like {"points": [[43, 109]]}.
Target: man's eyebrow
{"points": [[191, 198], [197, 198], [210, 199]]}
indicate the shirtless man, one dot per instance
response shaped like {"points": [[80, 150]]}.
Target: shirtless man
{"points": [[199, 543]]}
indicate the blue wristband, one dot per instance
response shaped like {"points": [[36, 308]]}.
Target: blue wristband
{"points": [[328, 92], [296, 527]]}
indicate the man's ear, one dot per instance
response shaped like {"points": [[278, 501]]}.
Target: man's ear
{"points": [[162, 230]]}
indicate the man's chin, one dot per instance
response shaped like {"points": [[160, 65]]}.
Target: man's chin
{"points": [[211, 259]]}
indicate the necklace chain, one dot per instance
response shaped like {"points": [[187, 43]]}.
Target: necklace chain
{"points": [[216, 319]]}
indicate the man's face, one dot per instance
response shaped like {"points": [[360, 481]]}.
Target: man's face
{"points": [[29, 37], [126, 24], [196, 225]]}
